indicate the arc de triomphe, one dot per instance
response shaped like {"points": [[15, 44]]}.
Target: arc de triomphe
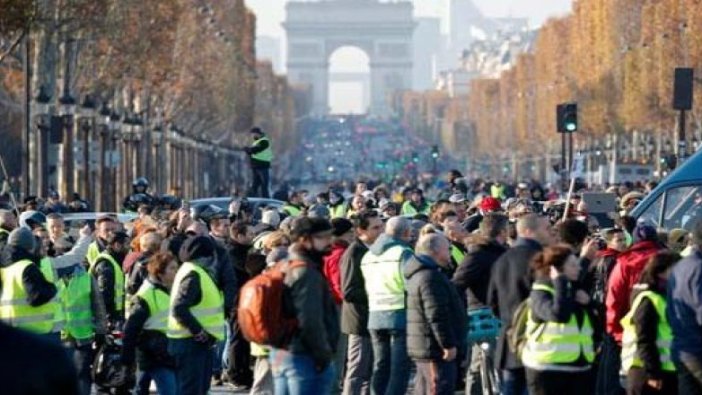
{"points": [[315, 29]]}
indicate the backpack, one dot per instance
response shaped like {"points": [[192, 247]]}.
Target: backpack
{"points": [[260, 312], [516, 332]]}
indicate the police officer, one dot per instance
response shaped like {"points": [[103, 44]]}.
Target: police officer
{"points": [[261, 154], [107, 270], [139, 196], [196, 316], [27, 299]]}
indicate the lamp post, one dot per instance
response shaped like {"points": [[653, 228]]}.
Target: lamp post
{"points": [[137, 157], [115, 159], [86, 121], [103, 128], [126, 163], [67, 110], [41, 169], [156, 136]]}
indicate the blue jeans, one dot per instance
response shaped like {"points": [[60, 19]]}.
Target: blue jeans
{"points": [[164, 378], [193, 365], [83, 359], [391, 365], [296, 374], [514, 382]]}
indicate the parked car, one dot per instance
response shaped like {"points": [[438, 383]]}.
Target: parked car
{"points": [[256, 204]]}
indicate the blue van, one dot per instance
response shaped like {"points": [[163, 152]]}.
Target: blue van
{"points": [[677, 201]]}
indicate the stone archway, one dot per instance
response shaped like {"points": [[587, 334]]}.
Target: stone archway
{"points": [[382, 30]]}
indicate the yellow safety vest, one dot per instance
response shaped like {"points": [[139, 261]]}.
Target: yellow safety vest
{"points": [[209, 312], [78, 307], [384, 281], [664, 336], [338, 211], [158, 302], [267, 154], [15, 309], [119, 278], [457, 254], [93, 252], [408, 209], [553, 343], [47, 269], [292, 211], [498, 192]]}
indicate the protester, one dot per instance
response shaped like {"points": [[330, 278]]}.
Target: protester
{"points": [[196, 316], [436, 322], [683, 312], [559, 336], [147, 324], [107, 270], [354, 310], [510, 285], [382, 268], [306, 366], [647, 335]]}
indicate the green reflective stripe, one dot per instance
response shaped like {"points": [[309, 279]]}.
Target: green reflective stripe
{"points": [[32, 319], [16, 302], [543, 287]]}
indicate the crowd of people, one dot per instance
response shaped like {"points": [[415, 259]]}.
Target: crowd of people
{"points": [[368, 291]]}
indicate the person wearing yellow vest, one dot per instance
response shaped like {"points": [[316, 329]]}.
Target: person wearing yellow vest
{"points": [[27, 299], [337, 205], [382, 267], [107, 270], [647, 336], [293, 207], [261, 155], [196, 317], [559, 352], [85, 320], [105, 225], [498, 191], [416, 204], [145, 330]]}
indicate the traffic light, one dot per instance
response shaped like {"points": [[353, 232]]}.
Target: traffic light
{"points": [[435, 152], [415, 157], [567, 117]]}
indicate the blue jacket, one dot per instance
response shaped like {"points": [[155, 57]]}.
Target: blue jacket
{"points": [[396, 319], [685, 307]]}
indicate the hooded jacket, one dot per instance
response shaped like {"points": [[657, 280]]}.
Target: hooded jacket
{"points": [[624, 276], [395, 319], [436, 319], [311, 302]]}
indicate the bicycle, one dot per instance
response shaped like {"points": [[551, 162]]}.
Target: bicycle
{"points": [[483, 328]]}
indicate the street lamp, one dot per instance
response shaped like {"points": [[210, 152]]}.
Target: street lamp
{"points": [[103, 128], [41, 143], [67, 109], [87, 112]]}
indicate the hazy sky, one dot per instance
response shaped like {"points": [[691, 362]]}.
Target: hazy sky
{"points": [[271, 13]]}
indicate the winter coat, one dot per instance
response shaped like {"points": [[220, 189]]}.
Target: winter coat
{"points": [[436, 319], [332, 269], [473, 274], [309, 299], [39, 290], [625, 274], [354, 310], [685, 306], [510, 285], [149, 346]]}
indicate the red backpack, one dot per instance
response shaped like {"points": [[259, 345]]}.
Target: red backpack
{"points": [[260, 311]]}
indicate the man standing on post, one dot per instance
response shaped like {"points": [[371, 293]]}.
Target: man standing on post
{"points": [[354, 310], [261, 155], [382, 269]]}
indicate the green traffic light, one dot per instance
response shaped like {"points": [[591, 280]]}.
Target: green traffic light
{"points": [[571, 127]]}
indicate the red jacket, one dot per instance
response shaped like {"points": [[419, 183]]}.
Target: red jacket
{"points": [[332, 271], [625, 274]]}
